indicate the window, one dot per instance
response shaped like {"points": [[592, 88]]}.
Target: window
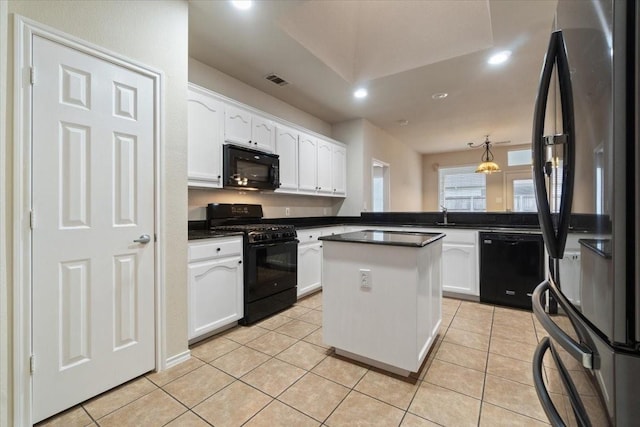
{"points": [[461, 189], [519, 157], [524, 199]]}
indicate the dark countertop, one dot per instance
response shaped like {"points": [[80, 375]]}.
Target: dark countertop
{"points": [[391, 238], [486, 221], [602, 247], [207, 234]]}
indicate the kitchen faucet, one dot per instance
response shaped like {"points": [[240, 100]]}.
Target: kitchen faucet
{"points": [[444, 210]]}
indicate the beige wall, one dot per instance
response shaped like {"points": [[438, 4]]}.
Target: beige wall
{"points": [[367, 142], [405, 169], [5, 243], [495, 182], [152, 33]]}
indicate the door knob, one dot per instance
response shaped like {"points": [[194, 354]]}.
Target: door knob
{"points": [[145, 238]]}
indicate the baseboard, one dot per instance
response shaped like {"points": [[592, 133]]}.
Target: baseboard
{"points": [[177, 359], [457, 295]]}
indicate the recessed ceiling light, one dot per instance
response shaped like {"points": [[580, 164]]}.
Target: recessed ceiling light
{"points": [[242, 4], [360, 93], [499, 57], [441, 95]]}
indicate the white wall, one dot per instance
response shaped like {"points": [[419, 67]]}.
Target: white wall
{"points": [[351, 133], [5, 248], [154, 33]]}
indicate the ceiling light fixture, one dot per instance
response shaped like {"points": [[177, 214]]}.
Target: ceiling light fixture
{"points": [[242, 4], [499, 57], [487, 165], [360, 93], [441, 95]]}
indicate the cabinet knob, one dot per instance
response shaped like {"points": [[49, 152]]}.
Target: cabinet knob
{"points": [[217, 249], [256, 143], [240, 262], [219, 177]]}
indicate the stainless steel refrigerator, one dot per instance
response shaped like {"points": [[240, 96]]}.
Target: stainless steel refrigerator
{"points": [[585, 158]]}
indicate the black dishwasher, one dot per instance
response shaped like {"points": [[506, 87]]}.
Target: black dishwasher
{"points": [[511, 266]]}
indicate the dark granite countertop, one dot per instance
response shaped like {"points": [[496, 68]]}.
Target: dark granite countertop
{"points": [[486, 221], [392, 238], [601, 247], [207, 234]]}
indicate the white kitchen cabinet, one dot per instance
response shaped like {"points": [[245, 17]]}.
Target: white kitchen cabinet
{"points": [[322, 167], [307, 163], [215, 284], [459, 261], [309, 267], [570, 277], [205, 127], [246, 129], [324, 180], [339, 170], [287, 149]]}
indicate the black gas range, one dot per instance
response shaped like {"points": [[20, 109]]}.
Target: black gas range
{"points": [[270, 258]]}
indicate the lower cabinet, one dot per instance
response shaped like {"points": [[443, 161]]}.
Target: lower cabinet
{"points": [[215, 285], [309, 267]]}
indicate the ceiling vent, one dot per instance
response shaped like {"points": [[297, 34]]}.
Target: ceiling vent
{"points": [[276, 79]]}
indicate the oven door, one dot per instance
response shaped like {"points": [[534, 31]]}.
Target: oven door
{"points": [[572, 366], [270, 268]]}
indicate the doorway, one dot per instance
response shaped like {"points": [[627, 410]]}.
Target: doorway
{"points": [[379, 186]]}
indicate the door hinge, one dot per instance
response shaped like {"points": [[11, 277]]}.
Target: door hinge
{"points": [[32, 220], [32, 75], [32, 363]]}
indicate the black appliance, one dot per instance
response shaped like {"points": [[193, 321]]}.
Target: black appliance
{"points": [[270, 258], [250, 169], [511, 266], [585, 157]]}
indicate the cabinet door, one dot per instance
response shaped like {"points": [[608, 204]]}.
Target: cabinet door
{"points": [[205, 118], [324, 167], [308, 159], [237, 125], [215, 294], [262, 133], [570, 275], [309, 268], [459, 268], [287, 149], [339, 170]]}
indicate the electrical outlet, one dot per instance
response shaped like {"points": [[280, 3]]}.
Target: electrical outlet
{"points": [[365, 278], [287, 211]]}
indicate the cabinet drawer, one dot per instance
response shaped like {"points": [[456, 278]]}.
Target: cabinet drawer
{"points": [[214, 248], [309, 234]]}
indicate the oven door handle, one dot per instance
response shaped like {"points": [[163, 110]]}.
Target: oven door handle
{"points": [[541, 389], [577, 350], [272, 244]]}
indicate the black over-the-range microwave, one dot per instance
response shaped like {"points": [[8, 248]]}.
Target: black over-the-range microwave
{"points": [[250, 169]]}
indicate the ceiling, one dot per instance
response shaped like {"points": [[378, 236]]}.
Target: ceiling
{"points": [[403, 52]]}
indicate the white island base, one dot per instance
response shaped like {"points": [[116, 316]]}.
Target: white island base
{"points": [[389, 319]]}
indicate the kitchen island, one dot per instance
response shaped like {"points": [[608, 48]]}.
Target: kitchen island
{"points": [[382, 296]]}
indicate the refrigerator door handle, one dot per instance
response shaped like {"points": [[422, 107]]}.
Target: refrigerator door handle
{"points": [[568, 139], [581, 353], [556, 54], [541, 389]]}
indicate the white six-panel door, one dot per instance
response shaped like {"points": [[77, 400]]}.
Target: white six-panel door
{"points": [[93, 194]]}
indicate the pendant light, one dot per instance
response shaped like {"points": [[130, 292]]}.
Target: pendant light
{"points": [[488, 166]]}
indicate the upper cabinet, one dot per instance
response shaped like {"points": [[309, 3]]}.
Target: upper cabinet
{"points": [[309, 164], [247, 129], [322, 167], [205, 126], [287, 149], [339, 170]]}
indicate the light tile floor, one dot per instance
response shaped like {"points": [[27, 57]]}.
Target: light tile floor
{"points": [[278, 372]]}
